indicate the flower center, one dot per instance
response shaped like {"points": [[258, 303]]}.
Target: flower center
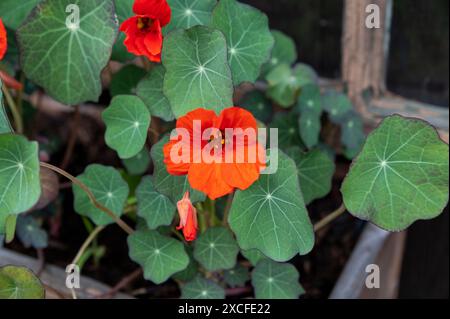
{"points": [[144, 23]]}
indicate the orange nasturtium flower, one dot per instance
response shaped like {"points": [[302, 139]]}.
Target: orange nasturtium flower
{"points": [[143, 31], [217, 178], [8, 80], [3, 40], [188, 218]]}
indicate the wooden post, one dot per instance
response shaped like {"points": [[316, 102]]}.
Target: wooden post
{"points": [[365, 50]]}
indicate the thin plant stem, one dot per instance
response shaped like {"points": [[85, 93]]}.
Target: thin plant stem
{"points": [[18, 124], [91, 196], [329, 218], [86, 243]]}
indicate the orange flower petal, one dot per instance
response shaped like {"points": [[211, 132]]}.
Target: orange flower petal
{"points": [[208, 178], [174, 168]]}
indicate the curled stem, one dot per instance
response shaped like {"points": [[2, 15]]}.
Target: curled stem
{"points": [[91, 196], [329, 218]]}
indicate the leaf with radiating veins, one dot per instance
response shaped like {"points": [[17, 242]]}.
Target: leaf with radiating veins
{"points": [[160, 256], [273, 280], [127, 121], [66, 59], [400, 176], [197, 72], [19, 174], [20, 283], [201, 288], [188, 13], [248, 38], [271, 215]]}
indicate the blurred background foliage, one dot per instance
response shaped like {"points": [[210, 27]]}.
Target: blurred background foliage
{"points": [[418, 65]]}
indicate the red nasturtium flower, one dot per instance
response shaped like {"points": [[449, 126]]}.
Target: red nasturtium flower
{"points": [[7, 79], [217, 178], [3, 40], [143, 31], [188, 218]]}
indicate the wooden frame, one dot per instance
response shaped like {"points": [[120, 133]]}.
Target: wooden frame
{"points": [[365, 53]]}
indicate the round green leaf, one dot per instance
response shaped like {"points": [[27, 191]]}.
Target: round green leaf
{"points": [[126, 80], [155, 208], [284, 51], [67, 59], [315, 172], [172, 186], [237, 277], [5, 127], [201, 288], [160, 256], [13, 14], [284, 82], [273, 280], [139, 163], [127, 121], [191, 270], [310, 126], [216, 249], [258, 105], [197, 72], [20, 186], [253, 256], [310, 100], [336, 104], [271, 215], [109, 190], [248, 37], [150, 90], [352, 127], [124, 10], [19, 283], [31, 233], [186, 13], [288, 130], [400, 176]]}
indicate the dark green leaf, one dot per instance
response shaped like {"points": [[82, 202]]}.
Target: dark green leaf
{"points": [[258, 105], [109, 189], [237, 277], [216, 249], [67, 61], [186, 14], [284, 51], [271, 215], [315, 172], [126, 80], [201, 288], [158, 255], [155, 208], [248, 38], [127, 121], [139, 163], [400, 176], [273, 280], [31, 233], [197, 74], [150, 90], [13, 13], [20, 185]]}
